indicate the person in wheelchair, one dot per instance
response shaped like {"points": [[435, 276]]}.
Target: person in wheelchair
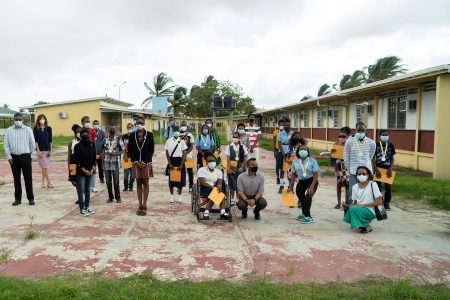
{"points": [[208, 178]]}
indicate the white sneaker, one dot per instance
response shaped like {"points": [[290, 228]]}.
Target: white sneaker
{"points": [[91, 212], [94, 190], [84, 213], [178, 198], [172, 199]]}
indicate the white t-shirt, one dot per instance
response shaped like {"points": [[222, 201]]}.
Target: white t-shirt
{"points": [[236, 150], [171, 144], [365, 196], [210, 177], [188, 137]]}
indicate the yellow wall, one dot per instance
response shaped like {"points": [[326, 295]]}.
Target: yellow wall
{"points": [[116, 106], [75, 112], [442, 133]]}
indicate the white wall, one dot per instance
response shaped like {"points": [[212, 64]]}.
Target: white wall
{"points": [[428, 117], [352, 119], [411, 115]]}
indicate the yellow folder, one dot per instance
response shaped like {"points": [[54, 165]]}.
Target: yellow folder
{"points": [[98, 156], [175, 175], [127, 164], [216, 196], [72, 169], [216, 154], [339, 153], [204, 162], [383, 178], [233, 163], [286, 165], [189, 163], [287, 199]]}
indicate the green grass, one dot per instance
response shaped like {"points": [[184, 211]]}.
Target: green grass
{"points": [[2, 151], [146, 287], [61, 140]]}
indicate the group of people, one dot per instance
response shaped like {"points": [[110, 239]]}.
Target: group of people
{"points": [[94, 151]]}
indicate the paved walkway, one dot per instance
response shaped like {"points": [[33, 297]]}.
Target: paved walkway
{"points": [[171, 244]]}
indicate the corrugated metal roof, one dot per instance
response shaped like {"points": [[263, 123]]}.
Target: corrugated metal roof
{"points": [[106, 99]]}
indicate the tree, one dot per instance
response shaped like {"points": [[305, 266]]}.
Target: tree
{"points": [[5, 105], [383, 68], [324, 89], [350, 81], [160, 88], [306, 97], [179, 100]]}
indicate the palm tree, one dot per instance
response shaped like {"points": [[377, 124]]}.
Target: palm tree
{"points": [[383, 68], [179, 101], [306, 97], [159, 88], [350, 81], [5, 105], [324, 89]]}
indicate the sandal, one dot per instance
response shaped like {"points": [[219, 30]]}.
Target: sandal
{"points": [[139, 212], [144, 211], [338, 206], [366, 229]]}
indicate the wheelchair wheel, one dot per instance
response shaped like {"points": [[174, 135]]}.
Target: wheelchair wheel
{"points": [[193, 197]]}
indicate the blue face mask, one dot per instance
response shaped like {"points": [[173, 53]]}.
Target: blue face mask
{"points": [[96, 127], [384, 138], [205, 131], [87, 125], [18, 123], [303, 153], [360, 135]]}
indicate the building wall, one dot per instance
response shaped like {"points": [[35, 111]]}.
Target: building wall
{"points": [[112, 105], [428, 116]]}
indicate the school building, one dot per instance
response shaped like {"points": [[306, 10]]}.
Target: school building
{"points": [[108, 111], [414, 107]]}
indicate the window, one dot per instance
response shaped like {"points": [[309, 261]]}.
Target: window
{"points": [[335, 118], [319, 118], [127, 116], [397, 112], [360, 112], [412, 104], [304, 118]]}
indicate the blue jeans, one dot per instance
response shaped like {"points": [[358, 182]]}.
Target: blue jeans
{"points": [[348, 197], [111, 176], [128, 178], [84, 188]]}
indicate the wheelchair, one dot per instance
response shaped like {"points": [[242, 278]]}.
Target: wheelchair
{"points": [[198, 203]]}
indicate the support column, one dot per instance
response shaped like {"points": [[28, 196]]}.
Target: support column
{"points": [[441, 169], [418, 125], [375, 118], [347, 113]]}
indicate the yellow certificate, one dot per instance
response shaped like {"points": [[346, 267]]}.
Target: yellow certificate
{"points": [[286, 165], [383, 178], [72, 169], [287, 199], [175, 175], [216, 196], [339, 153], [189, 163]]}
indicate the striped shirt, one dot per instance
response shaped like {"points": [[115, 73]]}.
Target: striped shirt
{"points": [[253, 132], [358, 153], [19, 140]]}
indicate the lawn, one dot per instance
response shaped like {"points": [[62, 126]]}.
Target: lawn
{"points": [[146, 287], [61, 140]]}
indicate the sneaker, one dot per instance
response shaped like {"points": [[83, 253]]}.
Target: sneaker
{"points": [[280, 190], [244, 214], [257, 216], [131, 189], [109, 201], [308, 220], [119, 201], [90, 211], [205, 217], [278, 180], [84, 213], [172, 199], [102, 181], [31, 202], [94, 190], [338, 206], [124, 190], [232, 203], [190, 190], [15, 203], [178, 199], [225, 217], [300, 217]]}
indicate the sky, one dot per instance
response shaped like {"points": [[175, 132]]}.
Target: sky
{"points": [[277, 51]]}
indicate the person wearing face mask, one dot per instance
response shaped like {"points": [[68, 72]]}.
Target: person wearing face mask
{"points": [[243, 138], [204, 143], [70, 155], [250, 186], [111, 154], [128, 178], [283, 138], [43, 138], [358, 151], [365, 196], [84, 158], [176, 155], [236, 156], [208, 178], [306, 170], [276, 149], [86, 123], [19, 146], [168, 133], [253, 132], [215, 137], [140, 150], [384, 159], [190, 142], [99, 140]]}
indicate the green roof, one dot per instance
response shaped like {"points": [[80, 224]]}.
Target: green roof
{"points": [[4, 112]]}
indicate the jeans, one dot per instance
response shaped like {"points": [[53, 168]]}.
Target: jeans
{"points": [[22, 164], [305, 200], [112, 175], [259, 205], [128, 178], [387, 192], [348, 197], [84, 188]]}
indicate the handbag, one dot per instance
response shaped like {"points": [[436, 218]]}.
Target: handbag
{"points": [[167, 172], [380, 211]]}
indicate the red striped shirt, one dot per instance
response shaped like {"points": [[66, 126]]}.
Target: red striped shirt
{"points": [[253, 132]]}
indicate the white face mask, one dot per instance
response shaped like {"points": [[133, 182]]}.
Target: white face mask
{"points": [[183, 128], [209, 125], [362, 178], [212, 165], [140, 126]]}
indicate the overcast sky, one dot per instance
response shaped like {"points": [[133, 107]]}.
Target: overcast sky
{"points": [[278, 51]]}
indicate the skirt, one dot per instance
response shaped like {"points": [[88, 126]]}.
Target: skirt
{"points": [[44, 161], [358, 216], [145, 172], [176, 161]]}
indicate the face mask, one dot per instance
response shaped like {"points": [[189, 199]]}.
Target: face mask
{"points": [[42, 121], [176, 134], [342, 140], [384, 138], [286, 128], [183, 128], [362, 178], [209, 125], [87, 125], [112, 133], [205, 131], [96, 127], [360, 135], [254, 169], [129, 130], [211, 164], [78, 135], [241, 131], [18, 123], [281, 127], [140, 126], [303, 153]]}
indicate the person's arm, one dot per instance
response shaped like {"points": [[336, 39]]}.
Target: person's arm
{"points": [[260, 190], [69, 152], [389, 172], [219, 184], [32, 142], [377, 194], [35, 134], [313, 184], [152, 144], [203, 183], [7, 148], [240, 187], [183, 159], [168, 160], [347, 154]]}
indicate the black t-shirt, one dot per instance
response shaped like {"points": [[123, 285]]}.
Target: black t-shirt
{"points": [[84, 156], [390, 152]]}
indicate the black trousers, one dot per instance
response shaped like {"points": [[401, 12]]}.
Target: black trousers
{"points": [[101, 175], [22, 164], [305, 200], [387, 192], [190, 172], [259, 205]]}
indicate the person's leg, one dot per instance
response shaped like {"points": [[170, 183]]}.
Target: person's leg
{"points": [[87, 192], [28, 176], [130, 186], [16, 170], [348, 197], [108, 176], [100, 170], [259, 205], [190, 172], [300, 191], [387, 195], [42, 177], [139, 183], [115, 175], [277, 165], [338, 194], [47, 177], [80, 190], [145, 195], [243, 206], [126, 176]]}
